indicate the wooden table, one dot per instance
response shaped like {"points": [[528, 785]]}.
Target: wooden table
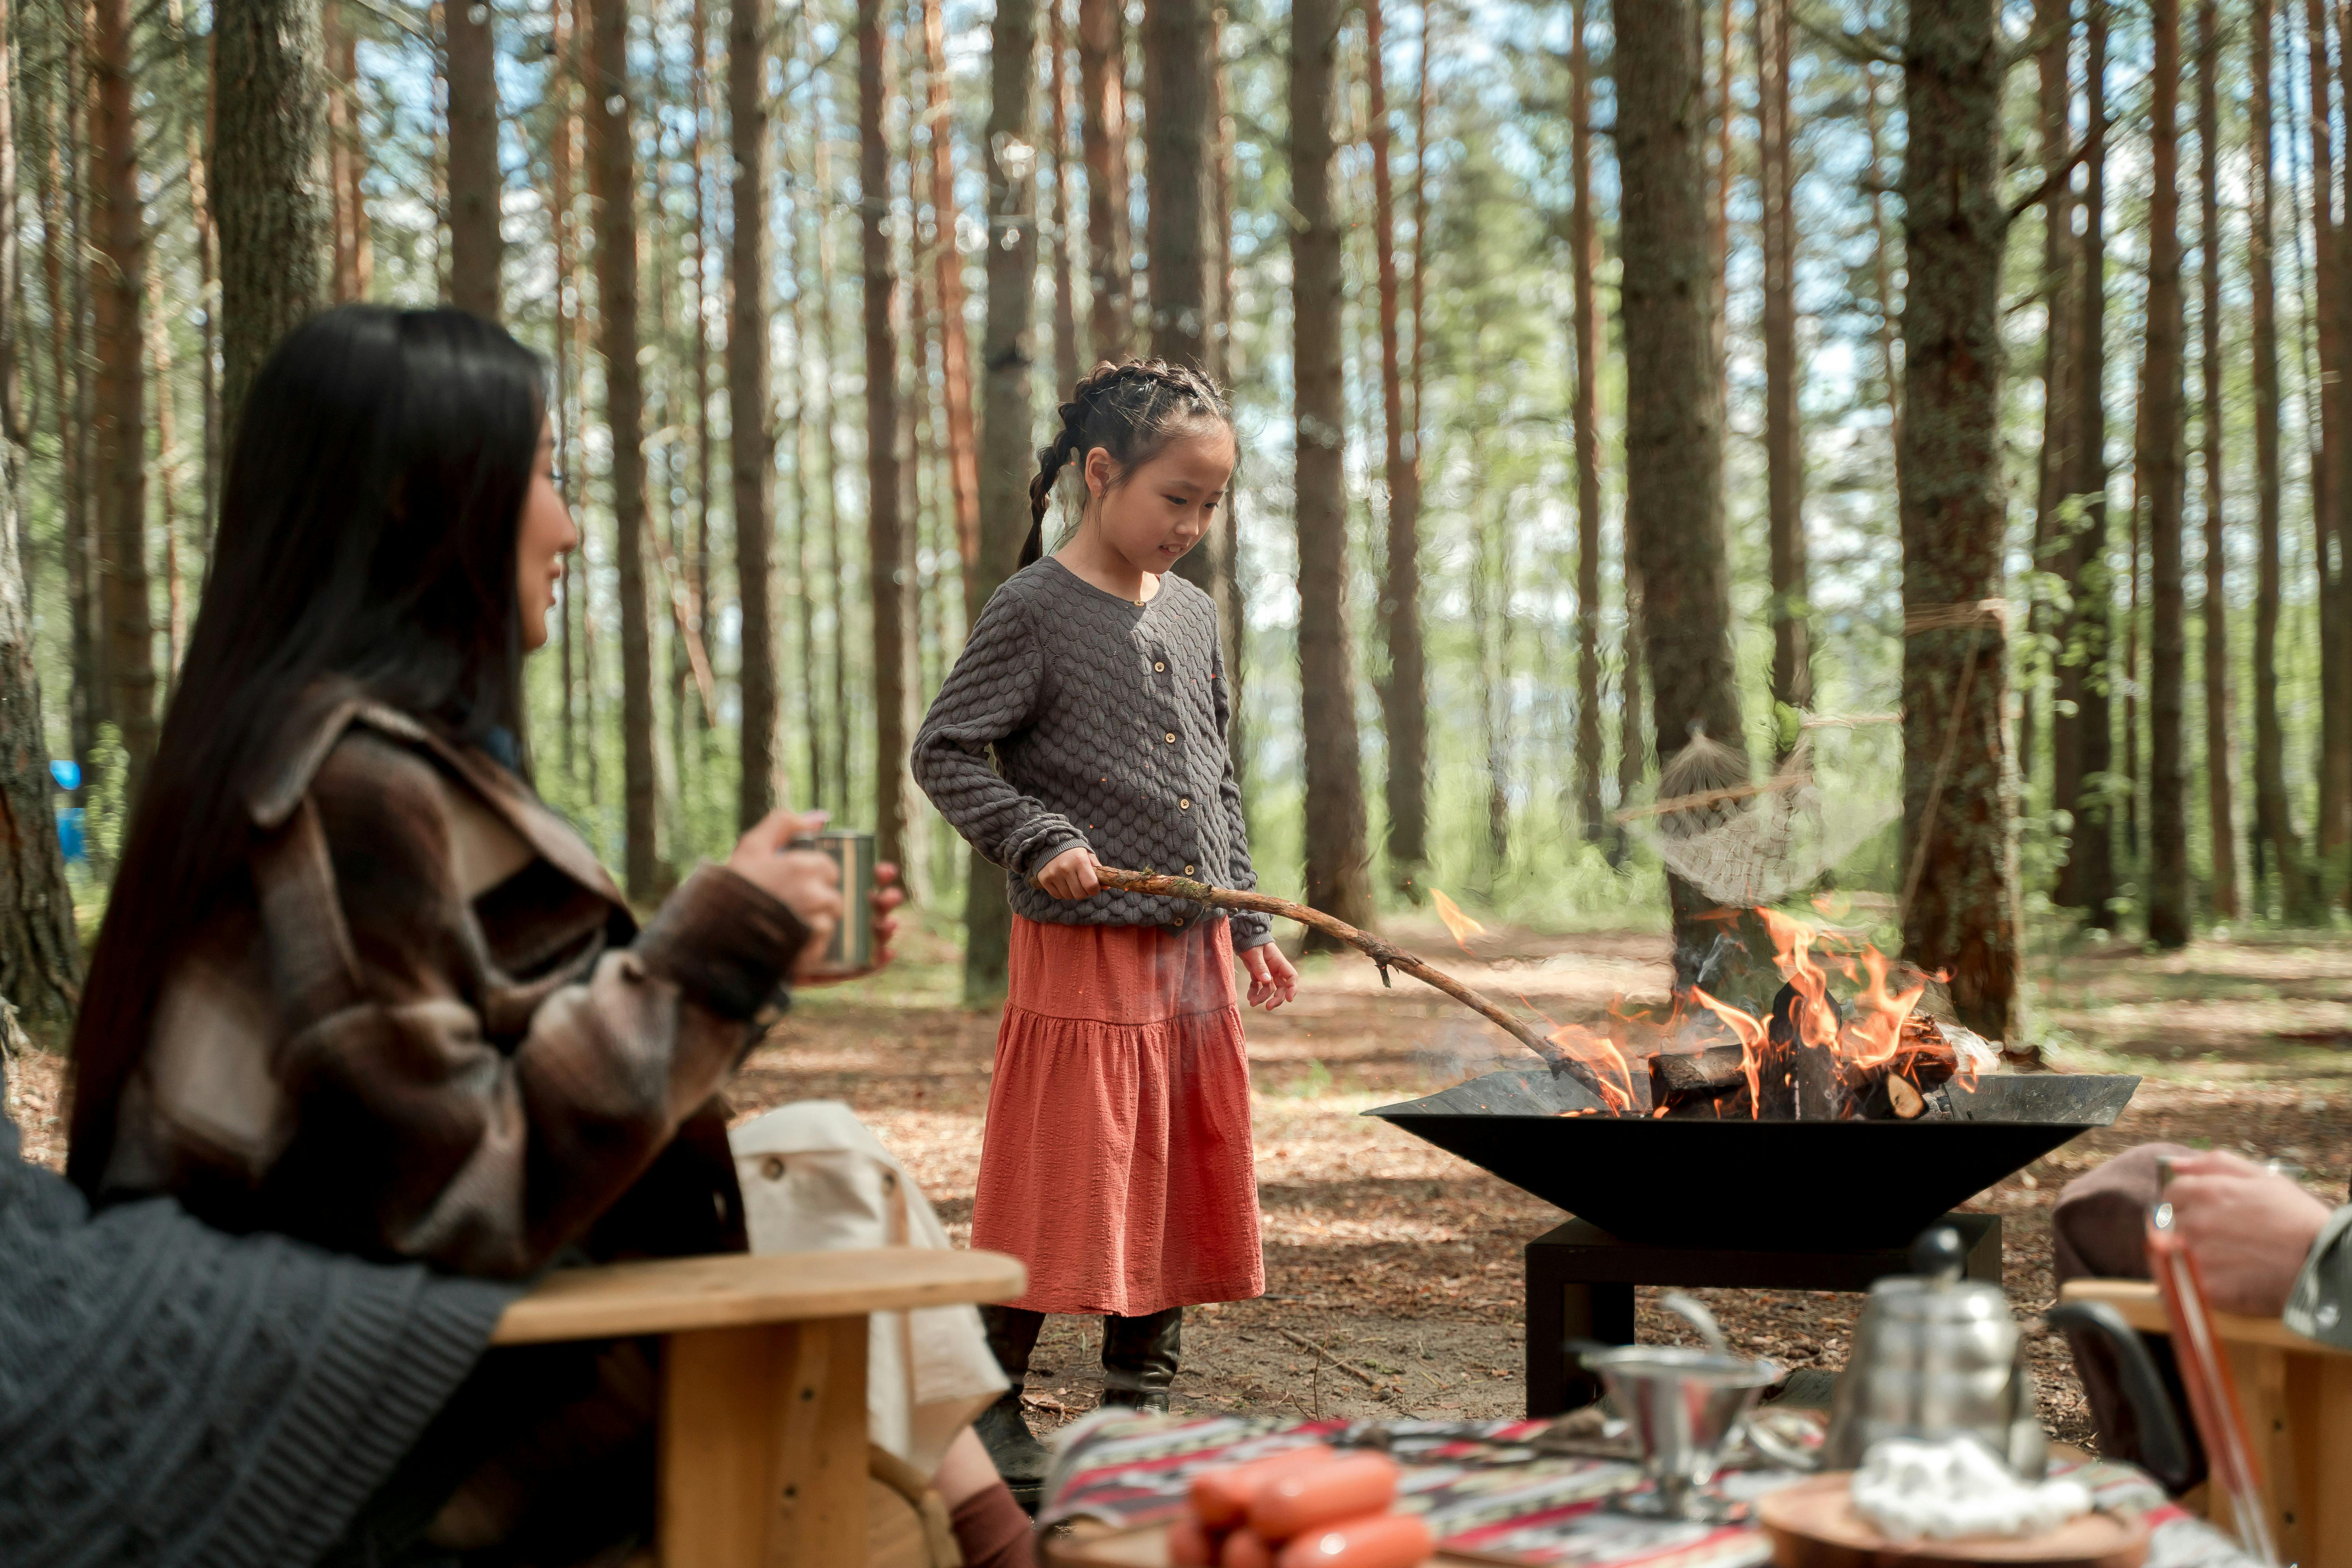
{"points": [[2297, 1397], [763, 1438]]}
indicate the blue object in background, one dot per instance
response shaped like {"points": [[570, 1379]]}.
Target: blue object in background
{"points": [[67, 773], [70, 837]]}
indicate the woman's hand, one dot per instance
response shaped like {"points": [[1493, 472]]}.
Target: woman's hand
{"points": [[803, 880], [2250, 1229], [1071, 874], [1273, 979], [886, 896]]}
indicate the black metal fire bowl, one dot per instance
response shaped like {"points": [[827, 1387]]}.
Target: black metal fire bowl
{"points": [[1770, 1186]]}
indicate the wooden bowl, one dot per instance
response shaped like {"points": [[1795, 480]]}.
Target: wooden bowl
{"points": [[1813, 1525]]}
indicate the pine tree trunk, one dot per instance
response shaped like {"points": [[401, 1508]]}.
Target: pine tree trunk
{"points": [[1673, 444], [562, 69], [1057, 99], [1784, 451], [889, 584], [2273, 815], [2161, 467], [1337, 883], [751, 445], [2220, 812], [611, 193], [836, 563], [2084, 743], [699, 618], [1103, 132], [804, 578], [270, 209], [354, 260], [1585, 423], [121, 428], [1632, 754], [2332, 480], [1009, 418], [1882, 278], [204, 244], [59, 237], [955, 351], [2053, 22], [1180, 141], [40, 961], [477, 252], [1960, 902], [1404, 695]]}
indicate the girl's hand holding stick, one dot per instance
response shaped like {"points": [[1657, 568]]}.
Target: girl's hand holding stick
{"points": [[1074, 873]]}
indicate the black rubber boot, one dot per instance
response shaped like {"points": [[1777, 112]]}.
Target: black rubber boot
{"points": [[1003, 1431], [1139, 1357]]}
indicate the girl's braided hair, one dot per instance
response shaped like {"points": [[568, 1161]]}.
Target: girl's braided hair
{"points": [[1132, 410]]}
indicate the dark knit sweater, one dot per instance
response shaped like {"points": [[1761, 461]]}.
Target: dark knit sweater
{"points": [[170, 1394], [1108, 719]]}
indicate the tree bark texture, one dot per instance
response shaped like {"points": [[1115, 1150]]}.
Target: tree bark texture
{"points": [[752, 444], [58, 235], [1961, 905], [271, 205], [1058, 82], [611, 190], [2331, 486], [1103, 133], [1180, 143], [477, 250], [2055, 464], [1008, 353], [890, 579], [1404, 694], [1336, 873], [354, 259], [2214, 614], [955, 348], [1784, 446], [2161, 469], [2273, 814], [1674, 442], [40, 961], [118, 284], [2083, 742], [1584, 405]]}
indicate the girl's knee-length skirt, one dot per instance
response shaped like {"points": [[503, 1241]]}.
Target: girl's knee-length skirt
{"points": [[1116, 1162]]}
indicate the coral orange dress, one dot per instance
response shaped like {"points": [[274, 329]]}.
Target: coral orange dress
{"points": [[1116, 1162]]}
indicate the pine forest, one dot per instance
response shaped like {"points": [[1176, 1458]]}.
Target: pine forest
{"points": [[1695, 454]]}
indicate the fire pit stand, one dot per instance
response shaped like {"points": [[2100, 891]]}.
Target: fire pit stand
{"points": [[1580, 1283]]}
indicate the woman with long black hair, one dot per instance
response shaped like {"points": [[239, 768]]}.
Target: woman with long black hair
{"points": [[356, 984]]}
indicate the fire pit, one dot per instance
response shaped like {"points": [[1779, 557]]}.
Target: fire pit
{"points": [[1760, 1185]]}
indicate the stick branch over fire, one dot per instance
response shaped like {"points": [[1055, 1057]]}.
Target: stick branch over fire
{"points": [[1386, 954]]}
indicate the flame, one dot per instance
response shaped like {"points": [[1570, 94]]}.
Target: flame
{"points": [[1793, 943], [1598, 1052], [1463, 927], [1751, 1035], [1876, 1032]]}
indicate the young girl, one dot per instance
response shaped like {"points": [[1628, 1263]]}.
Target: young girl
{"points": [[1116, 1162]]}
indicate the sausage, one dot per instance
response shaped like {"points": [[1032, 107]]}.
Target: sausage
{"points": [[1246, 1548], [1296, 1502], [1383, 1540], [1221, 1498], [1189, 1545]]}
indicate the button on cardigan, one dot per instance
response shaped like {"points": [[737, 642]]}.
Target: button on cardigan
{"points": [[1106, 719]]}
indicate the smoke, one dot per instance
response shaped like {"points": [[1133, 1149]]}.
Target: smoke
{"points": [[1461, 1051]]}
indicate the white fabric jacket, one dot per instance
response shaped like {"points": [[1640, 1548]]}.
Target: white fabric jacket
{"points": [[815, 1179]]}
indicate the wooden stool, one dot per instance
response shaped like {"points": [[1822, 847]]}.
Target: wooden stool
{"points": [[2297, 1397], [762, 1442]]}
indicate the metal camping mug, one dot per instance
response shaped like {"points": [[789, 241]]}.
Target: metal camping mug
{"points": [[851, 951]]}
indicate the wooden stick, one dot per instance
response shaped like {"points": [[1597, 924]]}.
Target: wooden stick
{"points": [[1351, 1368], [1386, 954]]}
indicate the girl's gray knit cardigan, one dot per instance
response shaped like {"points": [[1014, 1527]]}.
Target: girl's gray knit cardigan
{"points": [[172, 1395]]}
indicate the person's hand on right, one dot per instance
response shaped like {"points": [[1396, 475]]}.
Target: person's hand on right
{"points": [[1071, 874], [2249, 1229], [806, 881]]}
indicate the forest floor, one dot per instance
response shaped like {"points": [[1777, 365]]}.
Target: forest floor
{"points": [[1406, 1261]]}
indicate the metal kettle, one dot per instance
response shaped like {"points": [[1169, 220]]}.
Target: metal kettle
{"points": [[1936, 1355]]}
